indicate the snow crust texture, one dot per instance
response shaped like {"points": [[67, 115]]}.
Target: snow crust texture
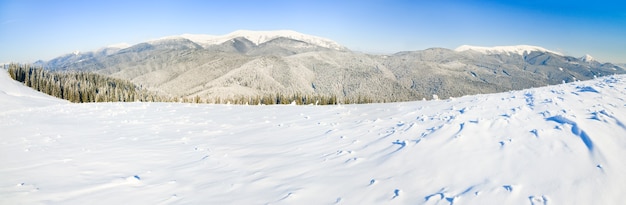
{"points": [[562, 144]]}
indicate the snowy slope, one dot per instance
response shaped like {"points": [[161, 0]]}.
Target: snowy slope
{"points": [[561, 144], [519, 49], [15, 96], [258, 37]]}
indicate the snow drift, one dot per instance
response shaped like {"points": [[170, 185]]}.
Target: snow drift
{"points": [[563, 144]]}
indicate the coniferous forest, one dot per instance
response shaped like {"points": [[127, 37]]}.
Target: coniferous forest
{"points": [[86, 87], [80, 87]]}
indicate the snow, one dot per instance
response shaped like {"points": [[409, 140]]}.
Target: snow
{"points": [[519, 49], [562, 144], [587, 58], [258, 37], [119, 45], [14, 96]]}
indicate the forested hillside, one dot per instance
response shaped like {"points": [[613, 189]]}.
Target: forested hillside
{"points": [[83, 87], [80, 87]]}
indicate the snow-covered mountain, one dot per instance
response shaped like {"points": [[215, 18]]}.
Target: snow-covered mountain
{"points": [[256, 63], [257, 38], [519, 49], [561, 144], [78, 56], [587, 58]]}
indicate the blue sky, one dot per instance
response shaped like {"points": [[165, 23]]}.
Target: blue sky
{"points": [[32, 30]]}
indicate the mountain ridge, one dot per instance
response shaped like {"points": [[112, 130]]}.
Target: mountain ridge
{"points": [[238, 66], [256, 37], [517, 49]]}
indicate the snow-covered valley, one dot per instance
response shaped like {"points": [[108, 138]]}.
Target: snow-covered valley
{"points": [[562, 144]]}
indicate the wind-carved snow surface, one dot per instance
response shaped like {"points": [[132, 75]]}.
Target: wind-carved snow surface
{"points": [[519, 49], [563, 144], [258, 37]]}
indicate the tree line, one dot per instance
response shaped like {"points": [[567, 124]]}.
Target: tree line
{"points": [[85, 87], [80, 87]]}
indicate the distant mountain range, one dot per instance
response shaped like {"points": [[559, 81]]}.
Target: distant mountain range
{"points": [[252, 63]]}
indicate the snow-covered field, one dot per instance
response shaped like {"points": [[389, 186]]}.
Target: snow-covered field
{"points": [[563, 144]]}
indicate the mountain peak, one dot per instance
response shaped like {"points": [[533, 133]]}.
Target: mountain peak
{"points": [[587, 58], [258, 37], [119, 45], [519, 49]]}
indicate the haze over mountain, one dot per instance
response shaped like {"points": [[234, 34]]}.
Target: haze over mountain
{"points": [[252, 63]]}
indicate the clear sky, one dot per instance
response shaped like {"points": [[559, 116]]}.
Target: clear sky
{"points": [[33, 30]]}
